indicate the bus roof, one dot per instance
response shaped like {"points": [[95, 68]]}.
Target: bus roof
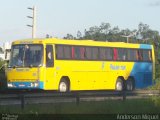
{"points": [[82, 42]]}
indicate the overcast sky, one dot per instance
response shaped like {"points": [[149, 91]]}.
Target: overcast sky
{"points": [[59, 17]]}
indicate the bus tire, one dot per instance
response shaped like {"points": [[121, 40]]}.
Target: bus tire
{"points": [[119, 84], [63, 85], [130, 84]]}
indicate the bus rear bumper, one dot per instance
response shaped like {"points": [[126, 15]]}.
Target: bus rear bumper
{"points": [[25, 85]]}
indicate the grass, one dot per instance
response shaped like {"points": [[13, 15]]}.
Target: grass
{"points": [[104, 107], [84, 111], [3, 79]]}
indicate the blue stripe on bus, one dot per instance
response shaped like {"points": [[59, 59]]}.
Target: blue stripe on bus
{"points": [[26, 85], [41, 85], [145, 46]]}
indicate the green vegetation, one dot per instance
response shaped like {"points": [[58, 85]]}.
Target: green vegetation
{"points": [[105, 32], [158, 71], [1, 63], [105, 107], [1, 50], [2, 75]]}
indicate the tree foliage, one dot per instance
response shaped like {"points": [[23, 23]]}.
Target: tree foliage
{"points": [[105, 32], [1, 50], [69, 36]]}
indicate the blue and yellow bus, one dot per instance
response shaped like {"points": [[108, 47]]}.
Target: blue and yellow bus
{"points": [[73, 65]]}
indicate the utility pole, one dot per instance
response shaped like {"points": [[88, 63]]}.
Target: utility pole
{"points": [[33, 17], [128, 36]]}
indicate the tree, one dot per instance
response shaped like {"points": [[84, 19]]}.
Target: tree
{"points": [[1, 50], [145, 31], [94, 30], [105, 28], [105, 32], [125, 32], [79, 35], [69, 36], [115, 30]]}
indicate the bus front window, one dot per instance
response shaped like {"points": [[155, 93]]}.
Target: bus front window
{"points": [[26, 55]]}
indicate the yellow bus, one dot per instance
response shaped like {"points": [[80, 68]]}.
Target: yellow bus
{"points": [[73, 65]]}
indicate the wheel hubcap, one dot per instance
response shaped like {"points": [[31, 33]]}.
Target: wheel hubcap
{"points": [[129, 86], [119, 86], [63, 87]]}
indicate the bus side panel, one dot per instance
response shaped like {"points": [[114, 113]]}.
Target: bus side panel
{"points": [[142, 73]]}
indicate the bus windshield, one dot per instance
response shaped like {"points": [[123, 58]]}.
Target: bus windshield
{"points": [[26, 55]]}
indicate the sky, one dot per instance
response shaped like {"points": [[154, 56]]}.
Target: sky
{"points": [[59, 17]]}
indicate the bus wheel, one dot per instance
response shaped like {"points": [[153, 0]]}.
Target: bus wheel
{"points": [[129, 84], [63, 86], [119, 84]]}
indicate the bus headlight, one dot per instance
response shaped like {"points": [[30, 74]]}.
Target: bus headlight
{"points": [[34, 84], [10, 85]]}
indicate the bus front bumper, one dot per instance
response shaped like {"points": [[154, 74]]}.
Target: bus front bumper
{"points": [[25, 85]]}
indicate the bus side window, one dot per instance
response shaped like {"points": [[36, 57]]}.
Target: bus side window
{"points": [[150, 55], [121, 54], [147, 55], [102, 52], [88, 53], [49, 56], [140, 56], [109, 53], [73, 52], [59, 52], [137, 55], [132, 55], [82, 49], [115, 54], [67, 52], [95, 53], [77, 53]]}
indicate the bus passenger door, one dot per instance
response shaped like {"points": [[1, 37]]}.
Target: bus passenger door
{"points": [[49, 67]]}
